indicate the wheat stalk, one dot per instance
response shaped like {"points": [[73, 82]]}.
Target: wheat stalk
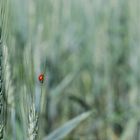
{"points": [[33, 123], [9, 89]]}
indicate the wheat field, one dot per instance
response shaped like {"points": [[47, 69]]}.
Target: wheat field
{"points": [[88, 54]]}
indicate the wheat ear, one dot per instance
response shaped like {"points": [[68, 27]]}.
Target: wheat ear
{"points": [[33, 123], [2, 94]]}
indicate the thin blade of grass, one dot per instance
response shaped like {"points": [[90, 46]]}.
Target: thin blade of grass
{"points": [[63, 131]]}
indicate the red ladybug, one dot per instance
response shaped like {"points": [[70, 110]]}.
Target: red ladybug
{"points": [[41, 78]]}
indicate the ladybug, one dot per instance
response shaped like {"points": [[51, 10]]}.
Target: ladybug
{"points": [[41, 78]]}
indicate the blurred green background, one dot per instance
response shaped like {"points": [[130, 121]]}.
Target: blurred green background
{"points": [[89, 51]]}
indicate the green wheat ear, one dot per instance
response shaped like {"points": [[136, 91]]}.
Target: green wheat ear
{"points": [[1, 131], [2, 94], [33, 124]]}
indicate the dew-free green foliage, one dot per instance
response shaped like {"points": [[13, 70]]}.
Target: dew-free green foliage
{"points": [[61, 132], [89, 52]]}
